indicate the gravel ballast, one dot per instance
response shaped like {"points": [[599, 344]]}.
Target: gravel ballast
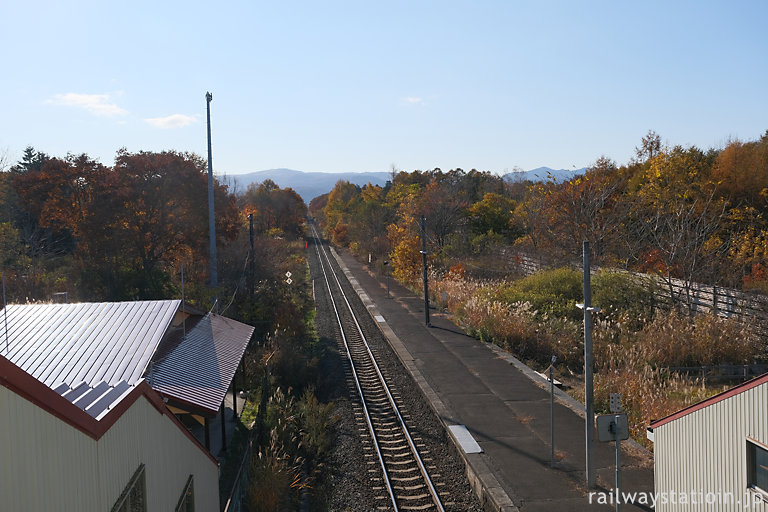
{"points": [[351, 484]]}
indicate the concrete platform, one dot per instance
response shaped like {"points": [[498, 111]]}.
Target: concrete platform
{"points": [[504, 406]]}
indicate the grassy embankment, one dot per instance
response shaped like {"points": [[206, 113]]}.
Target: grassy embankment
{"points": [[636, 341]]}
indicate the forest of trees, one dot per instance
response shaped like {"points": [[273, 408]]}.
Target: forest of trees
{"points": [[104, 233], [682, 212]]}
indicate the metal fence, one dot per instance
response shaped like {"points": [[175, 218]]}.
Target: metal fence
{"points": [[240, 488]]}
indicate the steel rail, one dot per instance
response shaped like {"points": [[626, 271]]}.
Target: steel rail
{"points": [[385, 387], [354, 373]]}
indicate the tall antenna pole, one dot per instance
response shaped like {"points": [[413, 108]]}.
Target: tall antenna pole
{"points": [[211, 216]]}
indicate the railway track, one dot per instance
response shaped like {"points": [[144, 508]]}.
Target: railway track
{"points": [[406, 481]]}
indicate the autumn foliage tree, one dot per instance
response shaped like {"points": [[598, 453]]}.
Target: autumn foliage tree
{"points": [[125, 229], [148, 220], [274, 209]]}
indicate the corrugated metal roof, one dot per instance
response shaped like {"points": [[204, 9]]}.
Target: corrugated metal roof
{"points": [[199, 367], [96, 401], [88, 343]]}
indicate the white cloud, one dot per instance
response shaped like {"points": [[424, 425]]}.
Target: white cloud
{"points": [[97, 104], [413, 100], [172, 121]]}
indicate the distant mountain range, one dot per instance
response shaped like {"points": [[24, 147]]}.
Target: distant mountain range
{"points": [[543, 174], [308, 184], [312, 184]]}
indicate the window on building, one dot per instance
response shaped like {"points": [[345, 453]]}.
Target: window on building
{"points": [[187, 500], [134, 497], [757, 466]]}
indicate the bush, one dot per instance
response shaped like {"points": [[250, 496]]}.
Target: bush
{"points": [[621, 293], [550, 293], [317, 425], [515, 326]]}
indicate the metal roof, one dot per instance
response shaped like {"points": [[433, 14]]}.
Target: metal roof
{"points": [[98, 347], [96, 401], [198, 368], [90, 343]]}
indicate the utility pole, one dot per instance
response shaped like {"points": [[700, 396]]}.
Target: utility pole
{"points": [[250, 259], [424, 260], [588, 379], [211, 215]]}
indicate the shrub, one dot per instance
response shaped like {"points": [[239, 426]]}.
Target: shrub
{"points": [[647, 394], [295, 364], [621, 293], [550, 292], [317, 422]]}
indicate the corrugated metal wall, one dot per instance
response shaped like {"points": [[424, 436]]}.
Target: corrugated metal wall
{"points": [[45, 464], [705, 452]]}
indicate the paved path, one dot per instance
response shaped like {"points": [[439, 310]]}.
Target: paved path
{"points": [[502, 405]]}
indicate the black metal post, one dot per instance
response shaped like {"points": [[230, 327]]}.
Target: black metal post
{"points": [[223, 428], [234, 393], [424, 260], [552, 413]]}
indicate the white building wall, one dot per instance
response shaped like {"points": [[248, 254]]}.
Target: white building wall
{"points": [[46, 464], [702, 456]]}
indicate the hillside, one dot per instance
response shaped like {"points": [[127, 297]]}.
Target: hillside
{"points": [[312, 184], [308, 184]]}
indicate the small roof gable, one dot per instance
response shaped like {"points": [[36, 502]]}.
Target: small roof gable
{"points": [[197, 368]]}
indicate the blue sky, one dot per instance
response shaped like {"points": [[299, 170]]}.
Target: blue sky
{"points": [[363, 85]]}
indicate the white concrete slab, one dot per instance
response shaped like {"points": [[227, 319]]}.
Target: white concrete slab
{"points": [[465, 439], [379, 319]]}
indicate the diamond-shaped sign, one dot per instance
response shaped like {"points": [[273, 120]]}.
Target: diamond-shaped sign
{"points": [[289, 280], [288, 274]]}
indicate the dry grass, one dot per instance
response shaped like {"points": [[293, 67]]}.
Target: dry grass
{"points": [[633, 355], [516, 327], [275, 478]]}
